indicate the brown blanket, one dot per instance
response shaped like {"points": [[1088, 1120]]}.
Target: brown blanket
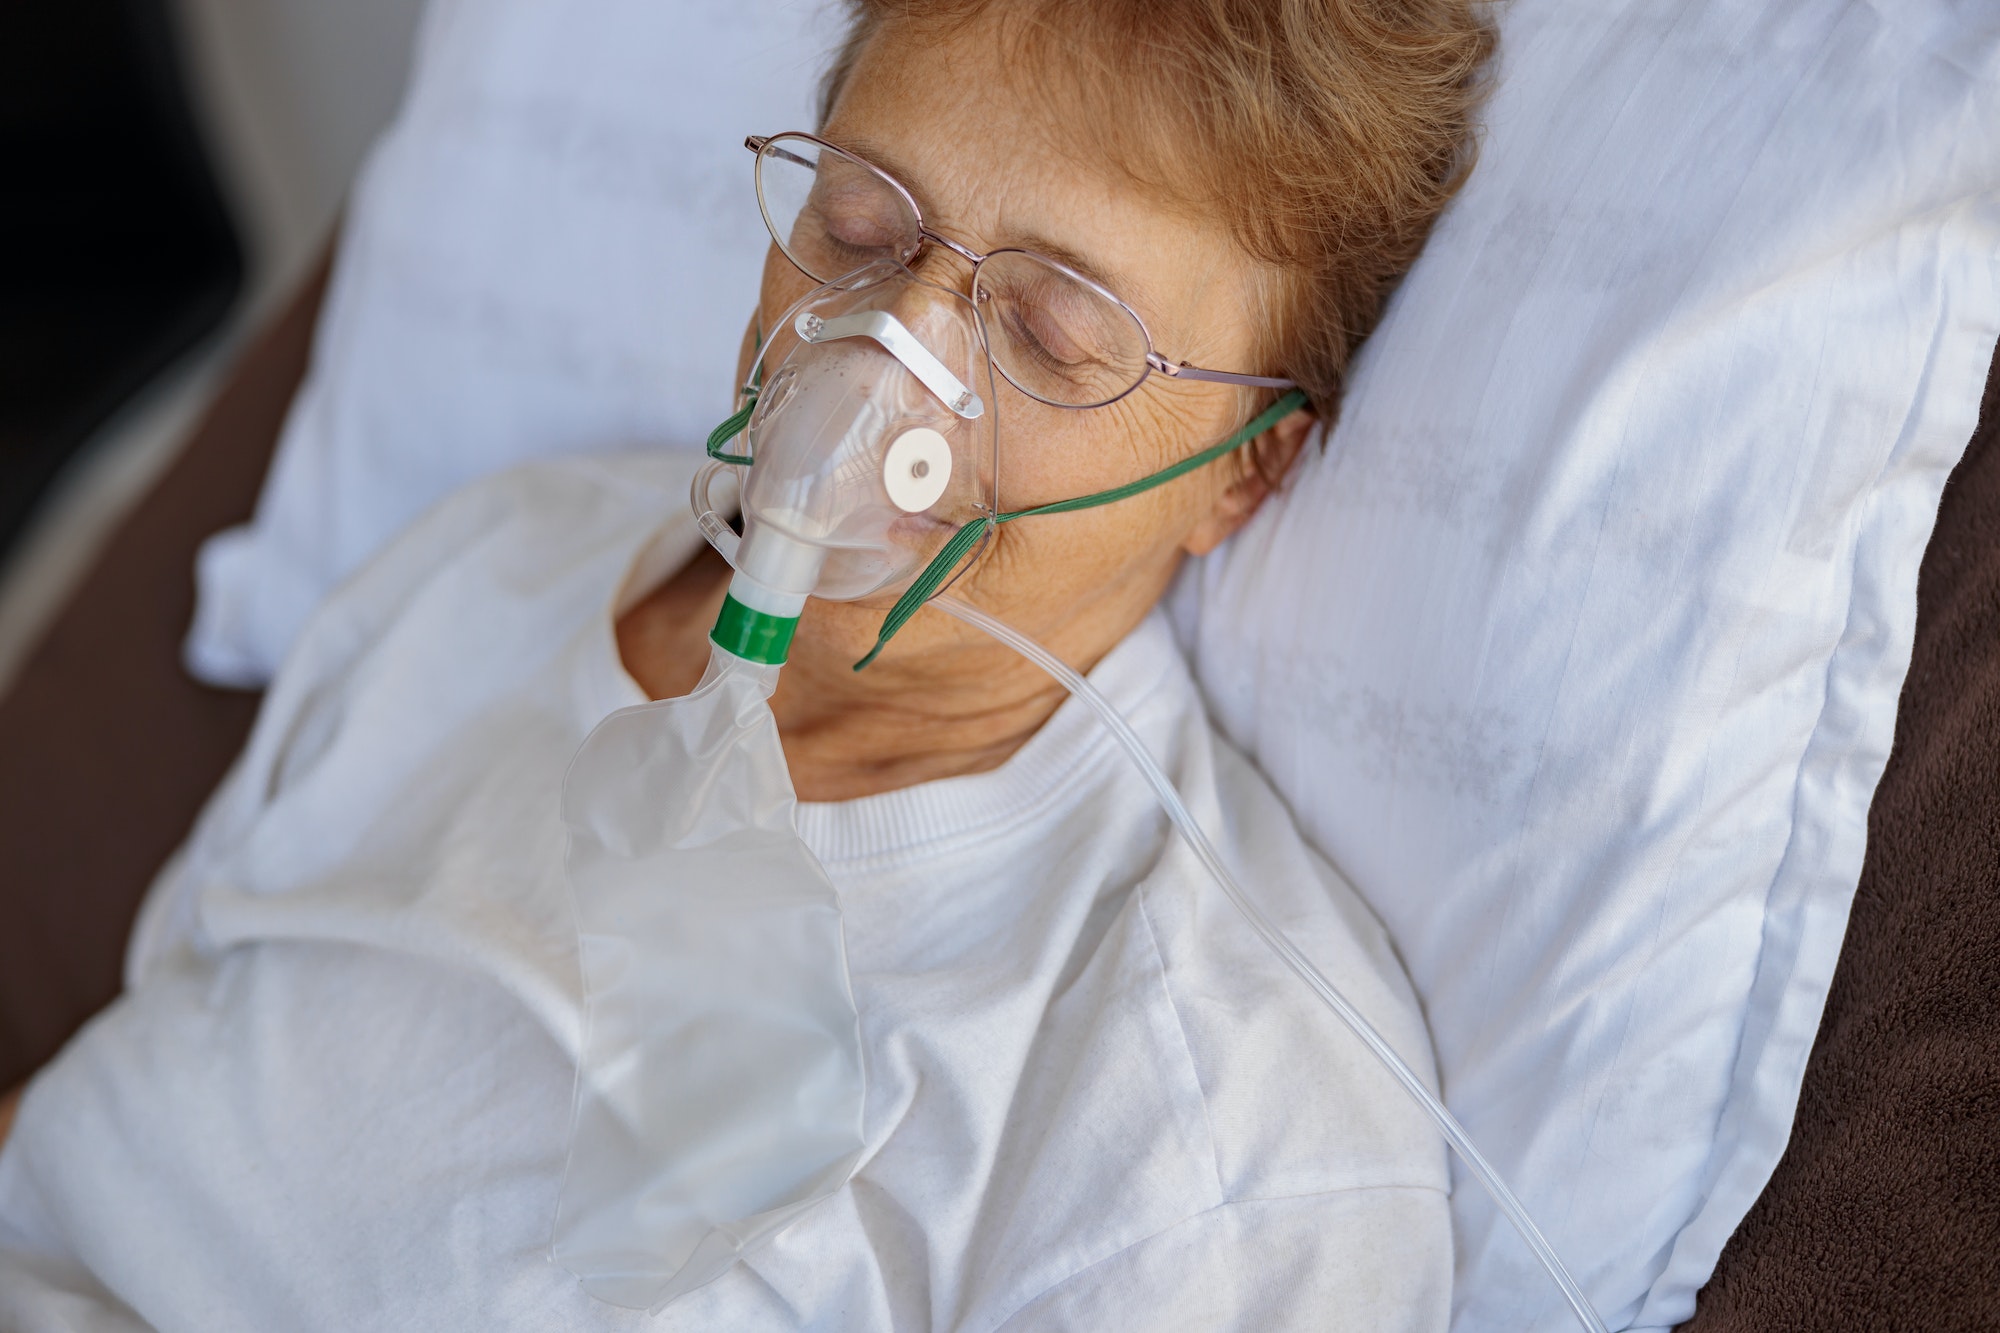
{"points": [[1884, 1213]]}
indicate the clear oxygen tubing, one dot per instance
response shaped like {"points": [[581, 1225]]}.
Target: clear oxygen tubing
{"points": [[1170, 800]]}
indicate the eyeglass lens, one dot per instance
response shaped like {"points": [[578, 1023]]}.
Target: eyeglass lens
{"points": [[1055, 336]]}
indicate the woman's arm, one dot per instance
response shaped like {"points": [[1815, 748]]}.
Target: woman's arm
{"points": [[9, 1103]]}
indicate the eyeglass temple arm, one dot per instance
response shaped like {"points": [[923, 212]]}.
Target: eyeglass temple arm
{"points": [[755, 143], [1184, 371]]}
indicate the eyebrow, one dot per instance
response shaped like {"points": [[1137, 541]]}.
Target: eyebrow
{"points": [[876, 154], [1062, 254]]}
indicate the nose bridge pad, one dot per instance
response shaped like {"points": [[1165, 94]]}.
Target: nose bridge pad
{"points": [[941, 264]]}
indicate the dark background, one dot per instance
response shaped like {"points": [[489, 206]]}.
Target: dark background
{"points": [[117, 253]]}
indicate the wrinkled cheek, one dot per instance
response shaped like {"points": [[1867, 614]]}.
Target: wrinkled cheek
{"points": [[1050, 453], [1043, 568]]}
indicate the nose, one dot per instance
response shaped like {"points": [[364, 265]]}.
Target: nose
{"points": [[937, 310], [945, 262]]}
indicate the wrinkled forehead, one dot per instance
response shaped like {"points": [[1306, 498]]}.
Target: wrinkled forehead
{"points": [[1003, 150]]}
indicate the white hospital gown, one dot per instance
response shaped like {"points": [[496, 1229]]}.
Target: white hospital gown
{"points": [[336, 1093]]}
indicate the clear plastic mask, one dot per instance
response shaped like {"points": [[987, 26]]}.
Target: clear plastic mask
{"points": [[874, 437]]}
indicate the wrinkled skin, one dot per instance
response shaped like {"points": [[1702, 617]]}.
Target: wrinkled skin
{"points": [[993, 165]]}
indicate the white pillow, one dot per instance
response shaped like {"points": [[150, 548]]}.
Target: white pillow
{"points": [[554, 249], [1579, 648]]}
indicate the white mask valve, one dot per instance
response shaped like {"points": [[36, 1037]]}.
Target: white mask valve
{"points": [[917, 469]]}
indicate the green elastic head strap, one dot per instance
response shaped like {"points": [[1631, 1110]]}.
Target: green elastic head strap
{"points": [[738, 421], [963, 542]]}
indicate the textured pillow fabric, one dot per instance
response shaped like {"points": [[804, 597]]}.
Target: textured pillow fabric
{"points": [[554, 249], [1881, 1216], [1579, 646]]}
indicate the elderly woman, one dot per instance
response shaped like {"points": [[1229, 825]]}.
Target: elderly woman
{"points": [[337, 1094]]}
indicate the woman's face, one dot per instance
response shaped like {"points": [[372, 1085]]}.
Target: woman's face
{"points": [[992, 166]]}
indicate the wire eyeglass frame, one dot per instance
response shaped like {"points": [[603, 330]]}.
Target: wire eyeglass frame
{"points": [[766, 145]]}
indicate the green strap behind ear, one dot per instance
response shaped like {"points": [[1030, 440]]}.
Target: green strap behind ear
{"points": [[939, 571]]}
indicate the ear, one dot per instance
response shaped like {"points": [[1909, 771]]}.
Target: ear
{"points": [[1274, 452]]}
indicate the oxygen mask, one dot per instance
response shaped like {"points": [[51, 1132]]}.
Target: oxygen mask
{"points": [[869, 439], [720, 1083]]}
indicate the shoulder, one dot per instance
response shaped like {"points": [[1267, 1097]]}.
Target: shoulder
{"points": [[1355, 1261], [481, 596], [480, 592], [540, 536], [1297, 1105], [546, 515]]}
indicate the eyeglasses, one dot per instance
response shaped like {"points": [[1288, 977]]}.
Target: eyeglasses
{"points": [[1056, 335]]}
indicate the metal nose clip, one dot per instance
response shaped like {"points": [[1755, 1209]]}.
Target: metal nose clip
{"points": [[897, 340]]}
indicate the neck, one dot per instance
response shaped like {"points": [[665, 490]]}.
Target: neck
{"points": [[943, 702], [958, 704], [949, 708]]}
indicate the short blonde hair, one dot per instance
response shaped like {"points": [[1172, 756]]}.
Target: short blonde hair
{"points": [[1327, 134]]}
